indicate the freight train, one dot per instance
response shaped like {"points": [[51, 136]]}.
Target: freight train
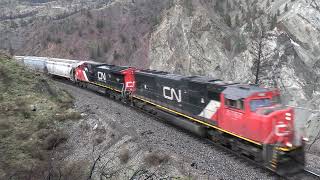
{"points": [[247, 119]]}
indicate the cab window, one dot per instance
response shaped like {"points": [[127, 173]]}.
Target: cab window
{"points": [[236, 104], [257, 103]]}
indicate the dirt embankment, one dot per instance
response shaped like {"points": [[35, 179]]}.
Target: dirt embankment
{"points": [[32, 110]]}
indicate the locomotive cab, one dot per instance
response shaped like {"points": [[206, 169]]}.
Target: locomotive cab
{"points": [[257, 114]]}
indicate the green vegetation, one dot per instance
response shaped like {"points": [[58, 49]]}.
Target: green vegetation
{"points": [[32, 110]]}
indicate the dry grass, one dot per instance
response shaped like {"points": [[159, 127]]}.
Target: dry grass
{"points": [[68, 115], [22, 107]]}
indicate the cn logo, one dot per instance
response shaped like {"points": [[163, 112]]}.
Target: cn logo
{"points": [[281, 130], [130, 84], [102, 76], [171, 94]]}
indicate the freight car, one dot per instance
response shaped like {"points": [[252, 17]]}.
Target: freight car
{"points": [[247, 119], [51, 66], [34, 63]]}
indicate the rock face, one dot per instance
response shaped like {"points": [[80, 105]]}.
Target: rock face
{"points": [[199, 41], [189, 40], [194, 38]]}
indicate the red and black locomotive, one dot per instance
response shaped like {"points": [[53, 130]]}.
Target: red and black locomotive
{"points": [[247, 119]]}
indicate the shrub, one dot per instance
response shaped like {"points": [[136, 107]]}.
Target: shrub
{"points": [[189, 7], [54, 140], [22, 135], [124, 155], [99, 140], [22, 107], [4, 78], [228, 20], [75, 170], [5, 133], [42, 124], [39, 154], [123, 38], [58, 41], [89, 15], [155, 159], [116, 55], [95, 52], [4, 125], [44, 133], [106, 46], [100, 24]]}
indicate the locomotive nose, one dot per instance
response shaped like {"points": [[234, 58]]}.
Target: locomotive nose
{"points": [[284, 129]]}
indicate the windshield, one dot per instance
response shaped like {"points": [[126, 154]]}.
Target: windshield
{"points": [[257, 103]]}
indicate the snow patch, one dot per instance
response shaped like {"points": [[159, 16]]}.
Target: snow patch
{"points": [[294, 43]]}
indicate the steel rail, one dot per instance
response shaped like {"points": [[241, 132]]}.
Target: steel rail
{"points": [[312, 172]]}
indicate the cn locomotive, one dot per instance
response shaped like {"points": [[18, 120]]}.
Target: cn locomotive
{"points": [[247, 119]]}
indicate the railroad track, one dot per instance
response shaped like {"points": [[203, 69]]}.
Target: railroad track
{"points": [[311, 172], [307, 174]]}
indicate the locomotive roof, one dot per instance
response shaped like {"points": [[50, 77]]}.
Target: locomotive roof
{"points": [[207, 80], [161, 74], [231, 90], [214, 82], [241, 91], [111, 67]]}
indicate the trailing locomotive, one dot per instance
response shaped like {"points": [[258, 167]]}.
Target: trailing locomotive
{"points": [[247, 119]]}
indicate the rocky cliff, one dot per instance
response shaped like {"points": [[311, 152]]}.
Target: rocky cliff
{"points": [[196, 39], [214, 38]]}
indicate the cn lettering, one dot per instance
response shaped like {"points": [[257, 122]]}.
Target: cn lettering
{"points": [[171, 94]]}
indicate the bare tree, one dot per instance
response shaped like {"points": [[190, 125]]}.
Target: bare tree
{"points": [[258, 49]]}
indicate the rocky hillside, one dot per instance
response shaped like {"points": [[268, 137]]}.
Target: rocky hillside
{"points": [[32, 110], [215, 38], [110, 31]]}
